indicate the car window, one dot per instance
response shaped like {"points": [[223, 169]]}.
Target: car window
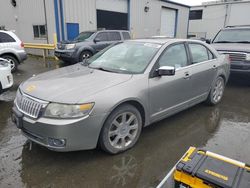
{"points": [[126, 35], [102, 36], [4, 37], [199, 53], [114, 36], [175, 56]]}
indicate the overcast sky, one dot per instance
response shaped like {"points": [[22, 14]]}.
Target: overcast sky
{"points": [[190, 2]]}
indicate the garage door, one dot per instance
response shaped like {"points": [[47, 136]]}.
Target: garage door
{"points": [[112, 14], [168, 22], [112, 20]]}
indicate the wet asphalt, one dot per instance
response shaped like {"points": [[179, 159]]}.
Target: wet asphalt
{"points": [[224, 129]]}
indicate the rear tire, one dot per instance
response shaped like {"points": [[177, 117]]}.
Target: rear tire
{"points": [[13, 62], [216, 92], [121, 130]]}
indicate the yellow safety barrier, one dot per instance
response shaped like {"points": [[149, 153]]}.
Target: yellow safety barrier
{"points": [[43, 47], [39, 46]]}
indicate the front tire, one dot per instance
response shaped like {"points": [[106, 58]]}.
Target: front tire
{"points": [[12, 61], [216, 92], [85, 55], [121, 130]]}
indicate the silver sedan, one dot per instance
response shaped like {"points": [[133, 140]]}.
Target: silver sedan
{"points": [[109, 98]]}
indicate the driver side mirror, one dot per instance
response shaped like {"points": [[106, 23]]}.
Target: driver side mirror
{"points": [[97, 40], [166, 71], [208, 41]]}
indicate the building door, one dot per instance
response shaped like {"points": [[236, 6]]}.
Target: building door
{"points": [[72, 30], [168, 22], [112, 20]]}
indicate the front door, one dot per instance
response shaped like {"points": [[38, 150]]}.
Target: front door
{"points": [[101, 41], [169, 94]]}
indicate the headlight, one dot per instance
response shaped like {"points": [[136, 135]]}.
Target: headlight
{"points": [[248, 57], [55, 110], [70, 46]]}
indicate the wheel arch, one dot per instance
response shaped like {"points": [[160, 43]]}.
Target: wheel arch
{"points": [[82, 49], [11, 54], [134, 102]]}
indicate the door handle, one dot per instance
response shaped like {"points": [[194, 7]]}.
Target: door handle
{"points": [[187, 75]]}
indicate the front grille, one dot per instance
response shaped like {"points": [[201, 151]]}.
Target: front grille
{"points": [[28, 105], [236, 56]]}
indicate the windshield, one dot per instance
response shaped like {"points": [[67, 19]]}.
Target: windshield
{"points": [[127, 57], [83, 36], [233, 35]]}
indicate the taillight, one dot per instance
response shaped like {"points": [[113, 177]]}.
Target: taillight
{"points": [[22, 45]]}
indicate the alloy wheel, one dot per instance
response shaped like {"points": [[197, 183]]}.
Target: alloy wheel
{"points": [[123, 130], [218, 90]]}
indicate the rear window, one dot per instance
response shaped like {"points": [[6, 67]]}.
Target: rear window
{"points": [[4, 37], [126, 35], [199, 53], [114, 36]]}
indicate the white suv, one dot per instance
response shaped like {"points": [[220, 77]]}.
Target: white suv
{"points": [[12, 49], [6, 78]]}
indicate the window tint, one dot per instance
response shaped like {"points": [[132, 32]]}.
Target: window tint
{"points": [[39, 31], [126, 35], [113, 36], [195, 14], [175, 56], [102, 36], [4, 37], [199, 53]]}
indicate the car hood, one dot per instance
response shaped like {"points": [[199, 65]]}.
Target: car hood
{"points": [[71, 84], [234, 47]]}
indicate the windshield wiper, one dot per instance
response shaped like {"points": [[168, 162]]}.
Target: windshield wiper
{"points": [[245, 41], [103, 69], [224, 41]]}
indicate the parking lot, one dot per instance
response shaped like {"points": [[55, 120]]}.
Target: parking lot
{"points": [[224, 129]]}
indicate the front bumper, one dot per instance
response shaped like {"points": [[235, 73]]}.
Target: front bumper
{"points": [[6, 78], [22, 56], [66, 55], [79, 134]]}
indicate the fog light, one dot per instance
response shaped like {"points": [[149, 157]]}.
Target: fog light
{"points": [[57, 142]]}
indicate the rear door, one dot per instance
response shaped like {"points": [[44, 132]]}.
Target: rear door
{"points": [[203, 69], [114, 36], [169, 94]]}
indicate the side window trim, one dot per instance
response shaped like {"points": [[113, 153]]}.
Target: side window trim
{"points": [[191, 56], [107, 35], [156, 65]]}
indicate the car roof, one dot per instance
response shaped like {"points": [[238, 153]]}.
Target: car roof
{"points": [[164, 40]]}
